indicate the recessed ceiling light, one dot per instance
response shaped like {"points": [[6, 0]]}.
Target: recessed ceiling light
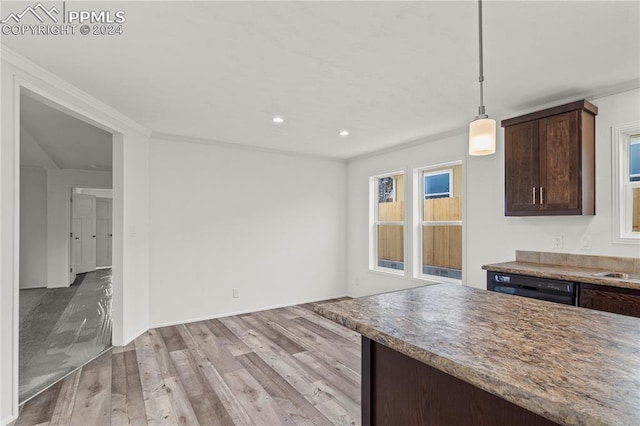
{"points": [[344, 133], [277, 119]]}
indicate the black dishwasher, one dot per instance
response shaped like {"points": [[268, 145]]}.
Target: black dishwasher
{"points": [[536, 288]]}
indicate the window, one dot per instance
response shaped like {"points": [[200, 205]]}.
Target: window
{"points": [[387, 223], [438, 184], [634, 159], [633, 185], [438, 213], [626, 191], [387, 189]]}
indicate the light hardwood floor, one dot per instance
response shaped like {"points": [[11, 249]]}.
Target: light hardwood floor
{"points": [[279, 367]]}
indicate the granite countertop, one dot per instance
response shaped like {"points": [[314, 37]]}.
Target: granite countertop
{"points": [[571, 365], [562, 272]]}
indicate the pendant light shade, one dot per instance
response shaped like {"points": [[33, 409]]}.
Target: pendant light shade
{"points": [[482, 131], [482, 136]]}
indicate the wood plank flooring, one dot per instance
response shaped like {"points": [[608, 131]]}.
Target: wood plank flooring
{"points": [[284, 366]]}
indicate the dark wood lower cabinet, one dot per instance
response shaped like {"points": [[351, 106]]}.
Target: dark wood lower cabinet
{"points": [[617, 300], [398, 390]]}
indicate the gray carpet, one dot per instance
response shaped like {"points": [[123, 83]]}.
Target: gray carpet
{"points": [[65, 329], [29, 299], [36, 326]]}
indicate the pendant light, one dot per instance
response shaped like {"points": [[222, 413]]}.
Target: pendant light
{"points": [[482, 130]]}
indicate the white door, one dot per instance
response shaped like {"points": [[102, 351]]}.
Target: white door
{"points": [[103, 232], [84, 233]]}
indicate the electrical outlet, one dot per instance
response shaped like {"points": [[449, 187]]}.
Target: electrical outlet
{"points": [[236, 293], [557, 242], [585, 242]]}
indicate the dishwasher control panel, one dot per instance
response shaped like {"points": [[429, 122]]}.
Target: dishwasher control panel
{"points": [[558, 291]]}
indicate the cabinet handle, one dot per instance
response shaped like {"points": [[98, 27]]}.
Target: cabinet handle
{"points": [[533, 194], [541, 196]]}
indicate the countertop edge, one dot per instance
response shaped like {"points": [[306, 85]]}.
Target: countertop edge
{"points": [[547, 408]]}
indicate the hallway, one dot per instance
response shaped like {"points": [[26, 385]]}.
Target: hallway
{"points": [[62, 328]]}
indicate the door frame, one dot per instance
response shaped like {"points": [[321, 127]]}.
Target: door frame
{"points": [[84, 113]]}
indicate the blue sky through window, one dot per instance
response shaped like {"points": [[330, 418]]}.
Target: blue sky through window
{"points": [[634, 159]]}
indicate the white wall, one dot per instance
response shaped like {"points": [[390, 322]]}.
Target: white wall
{"points": [[490, 236], [33, 227], [494, 237], [133, 227], [59, 185], [271, 225], [8, 236]]}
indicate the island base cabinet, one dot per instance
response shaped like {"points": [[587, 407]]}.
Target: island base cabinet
{"points": [[398, 390]]}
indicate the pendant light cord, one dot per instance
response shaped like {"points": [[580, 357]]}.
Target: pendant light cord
{"points": [[481, 111]]}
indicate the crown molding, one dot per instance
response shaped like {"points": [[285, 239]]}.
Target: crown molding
{"points": [[410, 144], [201, 141], [15, 59]]}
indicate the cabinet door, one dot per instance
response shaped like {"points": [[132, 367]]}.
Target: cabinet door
{"points": [[610, 299], [521, 168], [560, 162]]}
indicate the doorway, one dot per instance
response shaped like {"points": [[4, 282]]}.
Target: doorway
{"points": [[91, 229], [65, 300]]}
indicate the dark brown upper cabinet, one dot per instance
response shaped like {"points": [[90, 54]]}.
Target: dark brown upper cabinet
{"points": [[550, 161]]}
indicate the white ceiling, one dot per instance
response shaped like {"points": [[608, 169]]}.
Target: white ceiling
{"points": [[54, 140], [390, 72]]}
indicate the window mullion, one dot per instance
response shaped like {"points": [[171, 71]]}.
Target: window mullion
{"points": [[441, 223]]}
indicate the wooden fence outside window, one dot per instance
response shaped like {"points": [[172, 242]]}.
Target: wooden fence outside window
{"points": [[442, 244]]}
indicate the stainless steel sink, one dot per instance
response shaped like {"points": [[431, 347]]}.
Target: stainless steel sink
{"points": [[622, 275], [619, 275]]}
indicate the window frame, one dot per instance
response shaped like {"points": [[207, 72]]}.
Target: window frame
{"points": [[622, 186], [374, 223], [418, 222]]}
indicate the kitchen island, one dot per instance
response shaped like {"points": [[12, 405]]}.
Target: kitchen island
{"points": [[447, 354]]}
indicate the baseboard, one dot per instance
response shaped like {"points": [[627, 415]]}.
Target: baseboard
{"points": [[8, 420], [137, 334], [248, 311], [32, 288], [59, 286]]}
